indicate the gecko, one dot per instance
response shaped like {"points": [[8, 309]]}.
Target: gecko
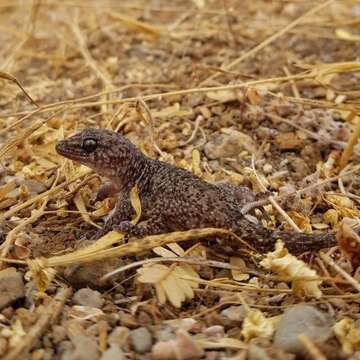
{"points": [[172, 198]]}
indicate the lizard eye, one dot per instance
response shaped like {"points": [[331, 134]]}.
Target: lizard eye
{"points": [[89, 145]]}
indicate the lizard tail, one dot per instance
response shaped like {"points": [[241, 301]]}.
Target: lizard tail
{"points": [[264, 240]]}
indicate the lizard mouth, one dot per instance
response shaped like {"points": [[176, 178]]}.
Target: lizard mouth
{"points": [[65, 149]]}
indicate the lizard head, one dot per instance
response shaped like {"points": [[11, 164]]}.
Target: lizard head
{"points": [[104, 151]]}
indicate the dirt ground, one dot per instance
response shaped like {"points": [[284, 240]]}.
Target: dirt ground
{"points": [[263, 94]]}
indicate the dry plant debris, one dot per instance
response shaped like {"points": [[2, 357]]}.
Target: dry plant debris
{"points": [[258, 93]]}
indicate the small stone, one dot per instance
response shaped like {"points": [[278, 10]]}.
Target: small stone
{"points": [[11, 287], [119, 336], [91, 274], [289, 141], [302, 319], [257, 353], [141, 340], [34, 186], [234, 313], [268, 169], [85, 348], [128, 320], [164, 350], [4, 345], [187, 348], [165, 333], [58, 334], [88, 297], [181, 348], [64, 349], [113, 353], [229, 145], [215, 331]]}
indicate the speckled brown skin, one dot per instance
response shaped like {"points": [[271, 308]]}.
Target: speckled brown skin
{"points": [[173, 199]]}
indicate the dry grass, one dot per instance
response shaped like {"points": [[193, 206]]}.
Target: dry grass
{"points": [[172, 76]]}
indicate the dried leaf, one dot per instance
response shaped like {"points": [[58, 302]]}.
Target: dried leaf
{"points": [[346, 35], [169, 282], [136, 204], [349, 242], [348, 335], [222, 96], [301, 220], [5, 189], [332, 217], [225, 343], [15, 333], [239, 275], [257, 325], [195, 154], [285, 264], [81, 312]]}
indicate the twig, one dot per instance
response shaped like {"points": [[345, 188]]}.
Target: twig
{"points": [[87, 56], [188, 260], [342, 272], [36, 198], [272, 199], [48, 317], [271, 39], [10, 238], [144, 111], [345, 156], [313, 351], [193, 134], [14, 80]]}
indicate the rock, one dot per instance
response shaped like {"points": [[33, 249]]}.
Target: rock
{"points": [[64, 349], [302, 319], [141, 340], [91, 274], [113, 353], [4, 346], [85, 348], [58, 334], [88, 297], [289, 141], [182, 348], [257, 353], [165, 333], [11, 287], [34, 186], [215, 331], [229, 145], [119, 336], [234, 313]]}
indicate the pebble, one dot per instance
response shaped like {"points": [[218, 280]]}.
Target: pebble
{"points": [[34, 186], [113, 353], [119, 336], [4, 346], [165, 333], [58, 334], [234, 313], [85, 348], [215, 331], [267, 169], [229, 145], [302, 319], [182, 348], [141, 340], [88, 297], [11, 287]]}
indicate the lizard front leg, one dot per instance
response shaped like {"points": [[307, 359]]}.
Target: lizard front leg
{"points": [[106, 190], [152, 226], [123, 211]]}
